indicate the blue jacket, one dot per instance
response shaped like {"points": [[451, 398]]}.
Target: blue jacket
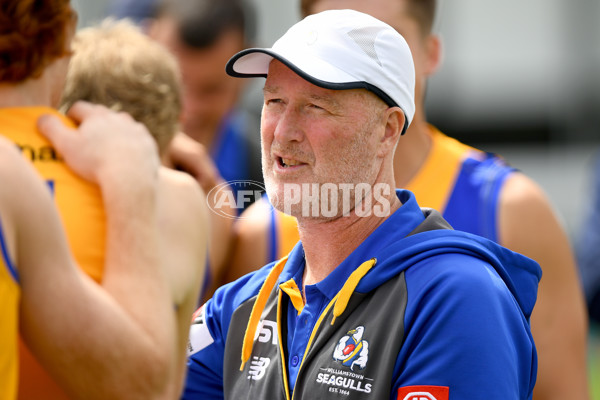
{"points": [[416, 308]]}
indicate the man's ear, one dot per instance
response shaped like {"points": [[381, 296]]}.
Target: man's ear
{"points": [[433, 46], [394, 117]]}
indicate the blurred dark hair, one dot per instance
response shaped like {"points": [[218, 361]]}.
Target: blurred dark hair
{"points": [[202, 22]]}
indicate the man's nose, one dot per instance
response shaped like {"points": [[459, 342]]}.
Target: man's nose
{"points": [[289, 127]]}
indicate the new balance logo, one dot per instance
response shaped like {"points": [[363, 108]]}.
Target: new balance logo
{"points": [[258, 367]]}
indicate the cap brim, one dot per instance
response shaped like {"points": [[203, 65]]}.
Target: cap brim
{"points": [[254, 62]]}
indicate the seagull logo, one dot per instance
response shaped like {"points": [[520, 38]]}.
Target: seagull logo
{"points": [[352, 350]]}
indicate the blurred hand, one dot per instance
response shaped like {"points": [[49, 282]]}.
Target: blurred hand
{"points": [[186, 154], [105, 147]]}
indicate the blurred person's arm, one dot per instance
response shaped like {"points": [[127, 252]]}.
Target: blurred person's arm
{"points": [[261, 235], [114, 341], [187, 155], [529, 225], [250, 240], [184, 228]]}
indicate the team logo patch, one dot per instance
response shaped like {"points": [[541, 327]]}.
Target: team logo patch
{"points": [[200, 336], [423, 393], [352, 350]]}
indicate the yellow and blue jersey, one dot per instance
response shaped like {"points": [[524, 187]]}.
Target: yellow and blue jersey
{"points": [[459, 181], [10, 293], [82, 213]]}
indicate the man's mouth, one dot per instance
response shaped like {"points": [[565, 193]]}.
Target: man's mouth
{"points": [[288, 162]]}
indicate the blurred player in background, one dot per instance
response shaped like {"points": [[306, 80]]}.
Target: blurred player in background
{"points": [[116, 65], [203, 34], [132, 356]]}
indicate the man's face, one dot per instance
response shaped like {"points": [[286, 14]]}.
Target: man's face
{"points": [[315, 135], [393, 13], [208, 92]]}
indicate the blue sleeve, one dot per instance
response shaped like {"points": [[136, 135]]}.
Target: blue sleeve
{"points": [[464, 330], [205, 354], [208, 333]]}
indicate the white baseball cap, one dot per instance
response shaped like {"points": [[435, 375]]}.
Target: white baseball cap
{"points": [[340, 49]]}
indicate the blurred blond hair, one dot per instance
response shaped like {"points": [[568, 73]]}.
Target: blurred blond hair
{"points": [[117, 65]]}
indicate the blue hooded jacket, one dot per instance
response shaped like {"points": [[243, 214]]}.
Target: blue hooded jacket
{"points": [[417, 307]]}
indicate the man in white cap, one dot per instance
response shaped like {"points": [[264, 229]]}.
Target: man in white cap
{"points": [[475, 192], [380, 299]]}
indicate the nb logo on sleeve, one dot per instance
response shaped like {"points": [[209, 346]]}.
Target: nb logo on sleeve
{"points": [[423, 393]]}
